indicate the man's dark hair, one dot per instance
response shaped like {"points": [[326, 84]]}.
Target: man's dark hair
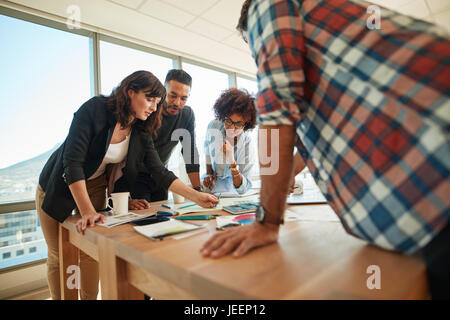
{"points": [[180, 76], [242, 23]]}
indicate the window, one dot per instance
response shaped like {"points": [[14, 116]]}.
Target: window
{"points": [[250, 85], [45, 78], [117, 62], [32, 250], [207, 85]]}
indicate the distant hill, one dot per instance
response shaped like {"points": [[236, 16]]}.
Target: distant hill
{"points": [[37, 161]]}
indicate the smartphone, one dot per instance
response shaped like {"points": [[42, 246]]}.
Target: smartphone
{"points": [[149, 220]]}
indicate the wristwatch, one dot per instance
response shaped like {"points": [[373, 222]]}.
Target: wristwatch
{"points": [[198, 188], [262, 216]]}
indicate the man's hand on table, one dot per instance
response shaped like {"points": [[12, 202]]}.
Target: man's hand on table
{"points": [[138, 204], [240, 240]]}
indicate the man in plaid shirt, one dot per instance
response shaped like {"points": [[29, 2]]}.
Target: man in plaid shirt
{"points": [[368, 110]]}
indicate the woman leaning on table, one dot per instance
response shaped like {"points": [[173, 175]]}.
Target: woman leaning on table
{"points": [[114, 131]]}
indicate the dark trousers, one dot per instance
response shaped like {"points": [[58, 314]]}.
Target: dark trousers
{"points": [[437, 259], [145, 188]]}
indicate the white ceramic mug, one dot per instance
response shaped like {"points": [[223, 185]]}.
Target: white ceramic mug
{"points": [[177, 198], [120, 202]]}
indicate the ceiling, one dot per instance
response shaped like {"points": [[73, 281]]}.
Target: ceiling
{"points": [[202, 30]]}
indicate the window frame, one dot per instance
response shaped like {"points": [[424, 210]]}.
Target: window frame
{"points": [[95, 37]]}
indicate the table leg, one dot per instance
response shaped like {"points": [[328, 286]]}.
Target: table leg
{"points": [[69, 270], [113, 274]]}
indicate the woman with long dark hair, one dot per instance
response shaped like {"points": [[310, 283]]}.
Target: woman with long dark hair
{"points": [[114, 131]]}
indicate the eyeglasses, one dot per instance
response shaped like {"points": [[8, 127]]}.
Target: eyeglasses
{"points": [[237, 125]]}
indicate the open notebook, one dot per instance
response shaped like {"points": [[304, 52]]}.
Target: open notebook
{"points": [[159, 230]]}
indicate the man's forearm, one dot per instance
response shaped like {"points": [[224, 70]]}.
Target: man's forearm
{"points": [[275, 187], [195, 179]]}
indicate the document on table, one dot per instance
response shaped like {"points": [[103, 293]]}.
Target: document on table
{"points": [[161, 229], [191, 207], [112, 221], [226, 189], [311, 213]]}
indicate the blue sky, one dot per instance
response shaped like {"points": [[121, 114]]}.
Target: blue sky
{"points": [[44, 78]]}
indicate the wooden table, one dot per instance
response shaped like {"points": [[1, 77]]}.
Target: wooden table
{"points": [[312, 260]]}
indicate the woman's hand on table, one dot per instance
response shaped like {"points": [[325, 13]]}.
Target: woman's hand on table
{"points": [[205, 200], [89, 220], [138, 204], [240, 240]]}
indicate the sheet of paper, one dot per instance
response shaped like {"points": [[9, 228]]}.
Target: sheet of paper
{"points": [[310, 195], [112, 221], [193, 207], [165, 228], [235, 194], [312, 213], [226, 189]]}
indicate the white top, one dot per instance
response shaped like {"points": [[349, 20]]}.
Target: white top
{"points": [[243, 152], [116, 153]]}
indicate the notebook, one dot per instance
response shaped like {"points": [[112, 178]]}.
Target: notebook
{"points": [[309, 196], [241, 208], [167, 228]]}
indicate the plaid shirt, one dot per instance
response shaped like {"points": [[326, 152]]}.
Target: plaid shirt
{"points": [[371, 108]]}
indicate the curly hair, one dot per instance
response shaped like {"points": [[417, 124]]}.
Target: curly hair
{"points": [[234, 101], [119, 101]]}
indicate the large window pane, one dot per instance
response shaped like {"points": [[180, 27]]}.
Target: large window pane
{"points": [[21, 239], [117, 62], [207, 85], [45, 77], [250, 85]]}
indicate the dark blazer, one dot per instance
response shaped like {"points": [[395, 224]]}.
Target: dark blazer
{"points": [[83, 151]]}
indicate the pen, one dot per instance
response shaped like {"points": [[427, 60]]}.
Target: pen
{"points": [[199, 217], [189, 205], [164, 213], [218, 199], [165, 206]]}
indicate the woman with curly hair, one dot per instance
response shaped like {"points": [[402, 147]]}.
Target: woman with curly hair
{"points": [[228, 146], [115, 130]]}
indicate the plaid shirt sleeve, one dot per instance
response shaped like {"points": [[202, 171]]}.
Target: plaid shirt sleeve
{"points": [[277, 43], [371, 108]]}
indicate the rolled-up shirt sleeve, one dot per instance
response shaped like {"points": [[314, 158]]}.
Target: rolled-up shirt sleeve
{"points": [[277, 44], [191, 158], [156, 168]]}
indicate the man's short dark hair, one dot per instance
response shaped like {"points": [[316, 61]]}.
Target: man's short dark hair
{"points": [[180, 76], [242, 23]]}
